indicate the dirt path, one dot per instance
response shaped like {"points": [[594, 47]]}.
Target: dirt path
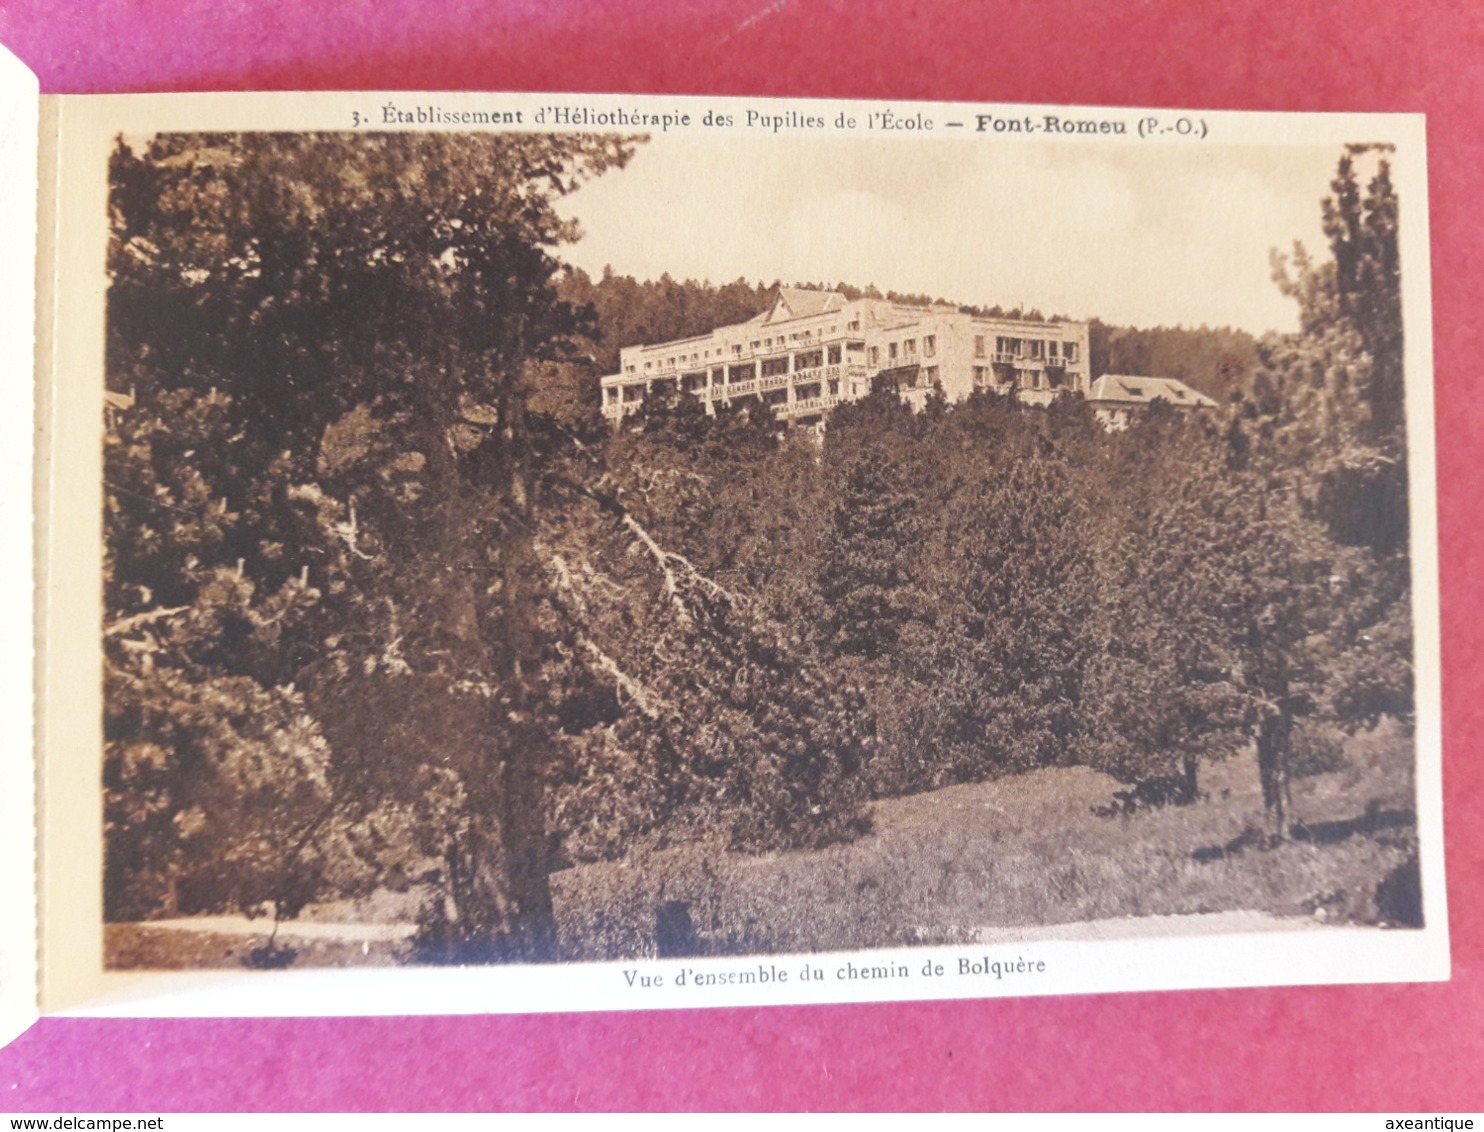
{"points": [[1147, 927], [291, 929], [1123, 927]]}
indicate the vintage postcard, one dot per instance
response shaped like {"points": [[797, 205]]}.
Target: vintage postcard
{"points": [[536, 552]]}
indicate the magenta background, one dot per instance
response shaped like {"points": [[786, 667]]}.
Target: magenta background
{"points": [[1382, 1048]]}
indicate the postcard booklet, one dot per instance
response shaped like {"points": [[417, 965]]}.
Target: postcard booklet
{"points": [[505, 552]]}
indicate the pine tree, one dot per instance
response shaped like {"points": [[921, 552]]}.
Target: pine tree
{"points": [[328, 475]]}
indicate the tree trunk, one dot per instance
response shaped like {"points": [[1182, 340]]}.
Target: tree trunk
{"points": [[1272, 767], [532, 933], [1190, 786], [505, 908], [528, 930], [499, 875]]}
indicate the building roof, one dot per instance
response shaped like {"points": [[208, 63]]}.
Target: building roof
{"points": [[1130, 389], [794, 302]]}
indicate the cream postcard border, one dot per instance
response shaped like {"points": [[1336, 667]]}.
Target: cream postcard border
{"points": [[19, 108], [72, 979]]}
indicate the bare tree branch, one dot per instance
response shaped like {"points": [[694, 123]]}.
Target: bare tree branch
{"points": [[643, 698], [677, 570], [124, 624]]}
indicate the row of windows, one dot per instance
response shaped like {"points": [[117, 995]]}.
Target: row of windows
{"points": [[696, 383], [984, 376], [909, 348], [995, 377], [730, 375], [801, 336], [904, 351], [1039, 349], [807, 359], [1036, 349], [925, 378]]}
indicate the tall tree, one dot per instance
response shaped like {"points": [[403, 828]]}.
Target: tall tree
{"points": [[356, 315], [1363, 236], [1323, 617], [1161, 682]]}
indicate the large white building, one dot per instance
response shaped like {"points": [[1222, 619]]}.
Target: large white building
{"points": [[813, 350]]}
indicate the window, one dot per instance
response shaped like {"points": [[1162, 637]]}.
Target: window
{"points": [[981, 377], [648, 366], [834, 355], [610, 394], [1069, 351], [874, 357], [737, 350], [979, 345], [930, 346], [932, 376], [835, 388], [809, 359], [629, 368], [772, 367], [853, 324], [891, 350], [909, 347], [855, 347]]}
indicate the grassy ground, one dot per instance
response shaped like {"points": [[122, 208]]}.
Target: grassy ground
{"points": [[147, 947], [952, 866]]}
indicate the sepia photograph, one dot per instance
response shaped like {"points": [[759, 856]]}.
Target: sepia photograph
{"points": [[577, 547]]}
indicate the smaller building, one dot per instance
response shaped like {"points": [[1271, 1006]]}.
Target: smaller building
{"points": [[1116, 398]]}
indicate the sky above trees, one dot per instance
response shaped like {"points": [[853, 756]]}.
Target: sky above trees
{"points": [[1157, 236]]}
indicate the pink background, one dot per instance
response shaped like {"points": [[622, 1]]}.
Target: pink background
{"points": [[1383, 1048]]}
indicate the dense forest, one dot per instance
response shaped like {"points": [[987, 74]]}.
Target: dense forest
{"points": [[389, 605]]}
